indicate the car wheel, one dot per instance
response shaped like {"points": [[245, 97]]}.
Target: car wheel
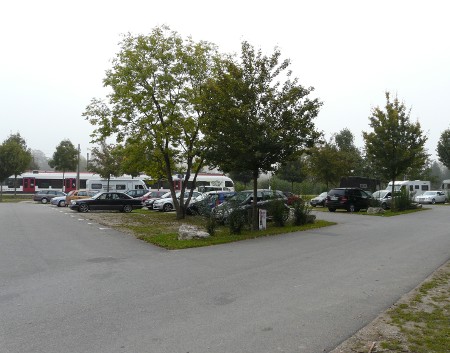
{"points": [[331, 209], [83, 208], [384, 205], [167, 207], [127, 208], [351, 208], [433, 201], [44, 200], [61, 203]]}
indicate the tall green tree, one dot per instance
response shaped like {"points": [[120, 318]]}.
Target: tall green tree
{"points": [[16, 157], [443, 148], [258, 115], [243, 176], [65, 158], [350, 154], [327, 164], [293, 171], [106, 161], [396, 143], [155, 81], [5, 168]]}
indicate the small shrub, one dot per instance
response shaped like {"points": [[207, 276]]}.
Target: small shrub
{"points": [[279, 212], [301, 212], [211, 224], [402, 201], [237, 219]]}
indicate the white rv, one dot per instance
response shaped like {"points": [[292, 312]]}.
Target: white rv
{"points": [[116, 184], [415, 187]]}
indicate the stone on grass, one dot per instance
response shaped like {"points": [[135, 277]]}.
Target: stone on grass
{"points": [[375, 210], [187, 232]]}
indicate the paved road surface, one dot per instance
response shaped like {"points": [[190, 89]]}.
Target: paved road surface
{"points": [[69, 286]]}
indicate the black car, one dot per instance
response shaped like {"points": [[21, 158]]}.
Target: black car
{"points": [[135, 193], [350, 199], [243, 200], [106, 201]]}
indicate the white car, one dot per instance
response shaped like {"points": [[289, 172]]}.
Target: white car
{"points": [[166, 204], [432, 197]]}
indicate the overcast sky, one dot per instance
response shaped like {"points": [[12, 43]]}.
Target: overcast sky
{"points": [[55, 53]]}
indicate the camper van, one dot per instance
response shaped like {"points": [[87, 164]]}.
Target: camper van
{"points": [[116, 184], [415, 187]]}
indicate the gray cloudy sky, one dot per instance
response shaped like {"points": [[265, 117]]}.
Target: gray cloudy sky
{"points": [[55, 53]]}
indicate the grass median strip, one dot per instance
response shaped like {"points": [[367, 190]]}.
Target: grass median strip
{"points": [[161, 229]]}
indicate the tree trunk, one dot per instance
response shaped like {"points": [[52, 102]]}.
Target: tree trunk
{"points": [[255, 223], [15, 185], [392, 194]]}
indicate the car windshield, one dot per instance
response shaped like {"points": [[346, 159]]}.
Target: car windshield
{"points": [[324, 194], [380, 194], [240, 196], [429, 193]]}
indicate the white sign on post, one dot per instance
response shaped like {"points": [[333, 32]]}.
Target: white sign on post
{"points": [[262, 219]]}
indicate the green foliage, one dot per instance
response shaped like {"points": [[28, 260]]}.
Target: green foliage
{"points": [[395, 144], [293, 171], [106, 160], [255, 119], [301, 212], [211, 224], [402, 201], [65, 158], [443, 148], [15, 157], [237, 220], [279, 212], [326, 164], [156, 81]]}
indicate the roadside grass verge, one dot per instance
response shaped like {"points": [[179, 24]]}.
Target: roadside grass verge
{"points": [[424, 320], [16, 198], [161, 229]]}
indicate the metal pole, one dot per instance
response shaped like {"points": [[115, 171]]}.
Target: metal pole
{"points": [[78, 169]]}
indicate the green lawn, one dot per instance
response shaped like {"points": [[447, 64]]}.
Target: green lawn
{"points": [[161, 229]]}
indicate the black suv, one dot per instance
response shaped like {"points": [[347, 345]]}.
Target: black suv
{"points": [[350, 199]]}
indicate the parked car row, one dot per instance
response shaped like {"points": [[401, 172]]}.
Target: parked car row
{"points": [[355, 199]]}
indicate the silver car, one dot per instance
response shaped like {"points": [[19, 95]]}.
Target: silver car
{"points": [[432, 197], [166, 204], [383, 198]]}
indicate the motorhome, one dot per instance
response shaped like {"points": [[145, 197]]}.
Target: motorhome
{"points": [[116, 184], [415, 187]]}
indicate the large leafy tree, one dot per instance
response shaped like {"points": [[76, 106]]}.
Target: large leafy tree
{"points": [[106, 161], [293, 171], [15, 157], [350, 154], [155, 81], [395, 144], [258, 116], [5, 167], [65, 158], [327, 164], [443, 148]]}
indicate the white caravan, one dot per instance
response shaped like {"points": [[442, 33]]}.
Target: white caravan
{"points": [[415, 187], [116, 184]]}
